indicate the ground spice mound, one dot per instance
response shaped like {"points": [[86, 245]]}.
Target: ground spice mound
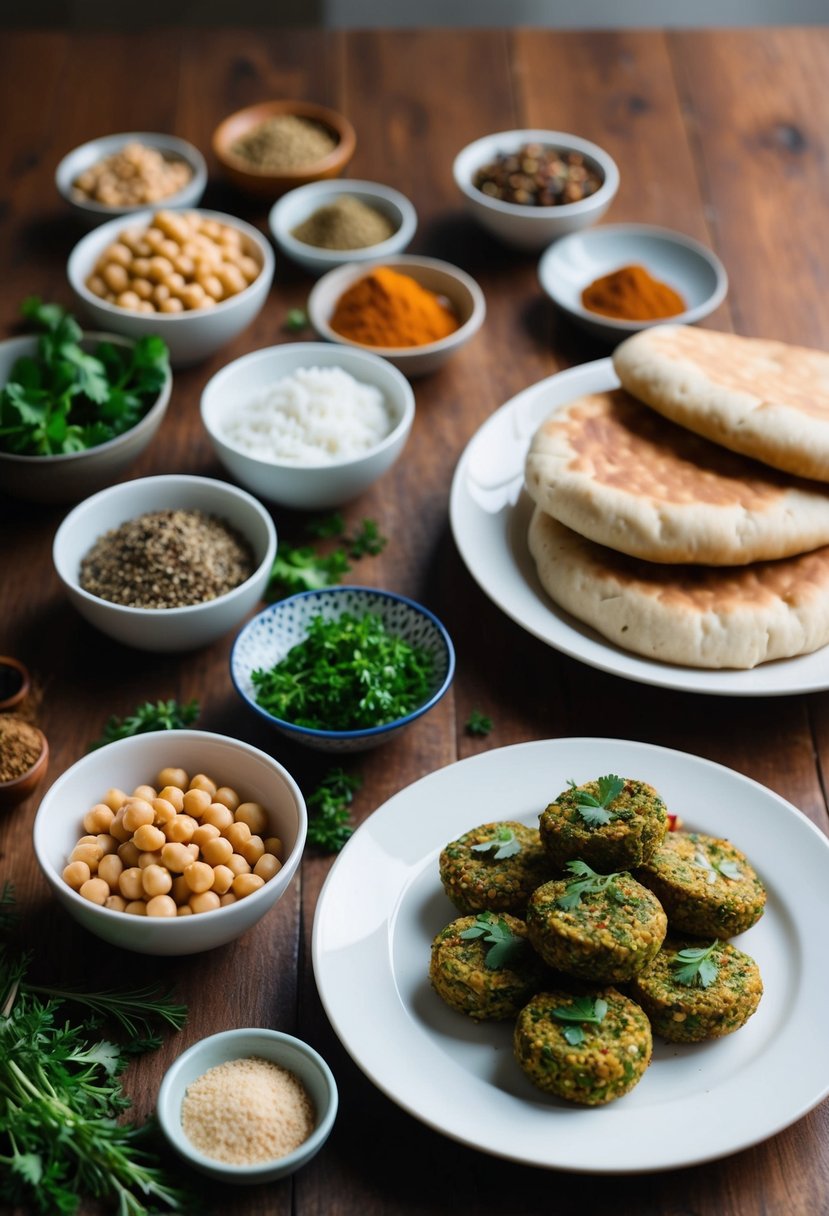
{"points": [[285, 141], [347, 223], [166, 559], [247, 1111], [387, 308], [20, 746]]}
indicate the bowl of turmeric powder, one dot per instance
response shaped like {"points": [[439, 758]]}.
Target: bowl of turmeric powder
{"points": [[620, 278], [415, 312]]}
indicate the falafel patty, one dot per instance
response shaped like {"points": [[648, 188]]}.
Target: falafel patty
{"points": [[590, 1062], [605, 936], [494, 867], [687, 1012], [624, 836], [464, 978], [707, 887]]}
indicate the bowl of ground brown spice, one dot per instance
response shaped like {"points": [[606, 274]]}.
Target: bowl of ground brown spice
{"points": [[274, 146], [166, 563], [24, 757], [620, 278]]}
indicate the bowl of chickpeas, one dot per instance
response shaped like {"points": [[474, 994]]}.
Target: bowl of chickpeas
{"points": [[197, 278], [119, 174], [172, 842]]}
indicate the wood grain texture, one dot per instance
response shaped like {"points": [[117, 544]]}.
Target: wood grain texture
{"points": [[718, 135]]}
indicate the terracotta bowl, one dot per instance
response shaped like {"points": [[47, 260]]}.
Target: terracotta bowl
{"points": [[15, 682], [12, 793], [266, 183]]}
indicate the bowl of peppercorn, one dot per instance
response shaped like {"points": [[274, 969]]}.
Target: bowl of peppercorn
{"points": [[166, 563], [530, 187]]}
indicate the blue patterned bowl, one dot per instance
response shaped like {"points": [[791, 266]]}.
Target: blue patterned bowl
{"points": [[267, 638]]}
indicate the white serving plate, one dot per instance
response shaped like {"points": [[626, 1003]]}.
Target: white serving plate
{"points": [[383, 902]]}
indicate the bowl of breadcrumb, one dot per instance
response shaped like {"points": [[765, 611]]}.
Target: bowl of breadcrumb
{"points": [[248, 1106]]}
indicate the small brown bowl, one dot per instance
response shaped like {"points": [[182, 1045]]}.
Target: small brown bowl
{"points": [[19, 788], [269, 183], [15, 683]]}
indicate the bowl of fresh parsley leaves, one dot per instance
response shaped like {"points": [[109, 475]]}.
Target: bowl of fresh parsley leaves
{"points": [[75, 408]]}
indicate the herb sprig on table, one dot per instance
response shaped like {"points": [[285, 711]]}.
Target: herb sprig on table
{"points": [[66, 400], [302, 568], [478, 723], [60, 1096], [152, 715], [328, 826], [503, 947], [596, 811]]}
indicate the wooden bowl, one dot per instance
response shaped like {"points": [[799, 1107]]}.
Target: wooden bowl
{"points": [[16, 791], [268, 183], [15, 683]]}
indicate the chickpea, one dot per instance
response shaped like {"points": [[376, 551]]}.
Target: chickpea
{"points": [[114, 799], [273, 845], [184, 910], [172, 225], [203, 833], [173, 795], [175, 282], [115, 277], [76, 874], [117, 829], [141, 270], [156, 880], [252, 849], [152, 857], [249, 268], [180, 829], [204, 901], [211, 284], [110, 869], [95, 890], [118, 252], [136, 907], [98, 819], [116, 903], [185, 265], [222, 879], [199, 877], [219, 816], [154, 238], [267, 866], [161, 905], [225, 796], [146, 306], [130, 884], [160, 293], [96, 285], [216, 852], [176, 777], [238, 865], [246, 884], [254, 815], [206, 302], [211, 228], [128, 853], [108, 843], [147, 792], [228, 898], [196, 801], [202, 782], [193, 850], [160, 269], [237, 834], [89, 853], [170, 249], [180, 890], [164, 811], [148, 838], [231, 278], [137, 812], [176, 857]]}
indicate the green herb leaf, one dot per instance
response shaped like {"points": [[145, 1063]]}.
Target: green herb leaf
{"points": [[478, 723], [504, 948], [585, 882], [296, 319], [161, 715], [328, 826], [301, 569], [367, 540], [726, 869], [694, 965], [504, 842], [585, 1010], [595, 811], [327, 526]]}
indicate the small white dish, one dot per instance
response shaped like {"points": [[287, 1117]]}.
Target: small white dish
{"points": [[454, 284], [66, 478], [135, 761], [192, 335], [266, 639], [86, 155], [305, 486], [282, 1049], [531, 227], [165, 629], [298, 205], [575, 262]]}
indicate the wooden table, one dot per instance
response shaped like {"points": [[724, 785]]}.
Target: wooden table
{"points": [[719, 135]]}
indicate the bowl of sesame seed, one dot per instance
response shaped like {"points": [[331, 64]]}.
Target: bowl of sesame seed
{"points": [[166, 563]]}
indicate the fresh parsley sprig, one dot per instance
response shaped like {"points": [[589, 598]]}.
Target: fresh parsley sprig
{"points": [[585, 1010], [301, 568], [478, 723], [586, 881], [502, 845], [328, 826], [158, 715], [695, 966], [596, 811], [504, 948]]}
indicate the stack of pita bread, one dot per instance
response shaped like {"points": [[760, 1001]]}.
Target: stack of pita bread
{"points": [[685, 516]]}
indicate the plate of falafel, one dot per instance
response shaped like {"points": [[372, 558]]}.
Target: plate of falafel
{"points": [[574, 944]]}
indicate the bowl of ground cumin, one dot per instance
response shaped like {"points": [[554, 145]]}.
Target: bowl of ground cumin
{"points": [[328, 223], [248, 1106], [271, 147], [24, 757], [166, 563]]}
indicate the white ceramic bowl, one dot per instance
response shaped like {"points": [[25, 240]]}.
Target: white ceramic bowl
{"points": [[315, 486], [267, 638], [573, 263], [86, 155], [282, 1049], [193, 335], [165, 629], [298, 205], [526, 227], [459, 288], [76, 474], [135, 761]]}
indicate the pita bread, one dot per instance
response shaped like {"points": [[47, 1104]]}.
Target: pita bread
{"points": [[763, 399], [624, 477], [695, 616]]}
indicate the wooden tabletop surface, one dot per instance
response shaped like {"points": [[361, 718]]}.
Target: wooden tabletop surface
{"points": [[717, 134]]}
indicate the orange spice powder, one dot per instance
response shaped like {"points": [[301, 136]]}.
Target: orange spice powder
{"points": [[386, 308], [632, 294]]}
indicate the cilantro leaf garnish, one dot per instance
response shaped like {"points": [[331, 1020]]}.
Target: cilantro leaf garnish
{"points": [[478, 723], [328, 826], [596, 811], [504, 843], [584, 1010], [694, 965], [585, 882], [505, 947], [159, 715], [727, 869], [301, 568]]}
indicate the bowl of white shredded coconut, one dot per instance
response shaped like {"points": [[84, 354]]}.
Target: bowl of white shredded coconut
{"points": [[308, 425]]}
